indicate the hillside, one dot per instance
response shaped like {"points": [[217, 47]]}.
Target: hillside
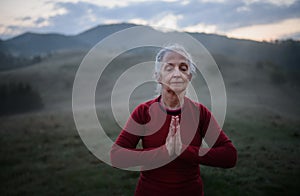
{"points": [[283, 53], [258, 76], [31, 44], [250, 88], [94, 35]]}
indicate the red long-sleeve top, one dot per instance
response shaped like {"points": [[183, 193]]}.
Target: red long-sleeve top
{"points": [[160, 173]]}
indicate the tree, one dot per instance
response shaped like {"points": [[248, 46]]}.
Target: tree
{"points": [[18, 97]]}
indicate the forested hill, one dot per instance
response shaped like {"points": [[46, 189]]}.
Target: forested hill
{"points": [[284, 53]]}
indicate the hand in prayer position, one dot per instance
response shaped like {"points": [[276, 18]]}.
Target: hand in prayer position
{"points": [[173, 141]]}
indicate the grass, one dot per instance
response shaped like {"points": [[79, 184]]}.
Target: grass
{"points": [[267, 162], [43, 154]]}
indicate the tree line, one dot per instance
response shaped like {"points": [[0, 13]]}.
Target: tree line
{"points": [[18, 97], [8, 61]]}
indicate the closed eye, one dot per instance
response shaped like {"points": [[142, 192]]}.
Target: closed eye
{"points": [[169, 67], [183, 67]]}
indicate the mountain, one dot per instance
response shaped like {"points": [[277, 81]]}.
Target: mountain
{"points": [[281, 53], [31, 44], [94, 35], [30, 47], [260, 77]]}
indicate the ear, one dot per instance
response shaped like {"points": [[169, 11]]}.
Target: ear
{"points": [[190, 76], [158, 77]]}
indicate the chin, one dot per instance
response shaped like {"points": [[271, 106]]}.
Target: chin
{"points": [[178, 90]]}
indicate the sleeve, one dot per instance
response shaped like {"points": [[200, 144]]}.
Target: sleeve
{"points": [[124, 153], [220, 151]]}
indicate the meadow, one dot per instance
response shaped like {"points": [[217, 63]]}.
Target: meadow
{"points": [[41, 152]]}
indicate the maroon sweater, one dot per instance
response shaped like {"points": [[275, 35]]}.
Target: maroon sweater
{"points": [[162, 174]]}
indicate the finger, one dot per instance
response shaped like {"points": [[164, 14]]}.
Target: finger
{"points": [[173, 126], [176, 119], [178, 144], [171, 129], [172, 120], [170, 146], [177, 124], [170, 133]]}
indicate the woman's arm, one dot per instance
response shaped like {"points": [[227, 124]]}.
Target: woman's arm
{"points": [[220, 152], [124, 153]]}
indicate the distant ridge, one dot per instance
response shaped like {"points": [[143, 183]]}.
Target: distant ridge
{"points": [[94, 35], [283, 53], [30, 44]]}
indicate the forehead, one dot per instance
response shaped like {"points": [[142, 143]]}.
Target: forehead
{"points": [[173, 56]]}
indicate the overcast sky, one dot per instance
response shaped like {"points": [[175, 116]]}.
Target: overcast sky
{"points": [[249, 19]]}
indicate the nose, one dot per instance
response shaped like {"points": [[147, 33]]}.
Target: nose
{"points": [[176, 72]]}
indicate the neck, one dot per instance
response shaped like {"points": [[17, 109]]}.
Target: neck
{"points": [[171, 100]]}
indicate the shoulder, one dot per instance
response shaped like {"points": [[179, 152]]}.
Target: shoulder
{"points": [[198, 105], [142, 110], [199, 108], [147, 104]]}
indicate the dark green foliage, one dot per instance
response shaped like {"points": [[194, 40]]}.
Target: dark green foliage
{"points": [[8, 61], [17, 98]]}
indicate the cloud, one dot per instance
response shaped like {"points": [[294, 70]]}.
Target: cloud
{"points": [[274, 2], [272, 31], [210, 16], [248, 2], [25, 18], [237, 14], [213, 1], [111, 4], [201, 27], [20, 16], [166, 21], [87, 15]]}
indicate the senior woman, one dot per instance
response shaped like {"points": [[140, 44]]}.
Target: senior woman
{"points": [[171, 128]]}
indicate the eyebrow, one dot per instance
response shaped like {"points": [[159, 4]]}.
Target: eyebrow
{"points": [[184, 64], [181, 63], [170, 64]]}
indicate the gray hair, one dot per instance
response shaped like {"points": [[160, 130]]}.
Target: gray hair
{"points": [[171, 48]]}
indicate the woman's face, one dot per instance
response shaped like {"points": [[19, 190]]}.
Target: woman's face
{"points": [[175, 72]]}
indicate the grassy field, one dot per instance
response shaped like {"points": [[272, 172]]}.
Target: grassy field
{"points": [[42, 154]]}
